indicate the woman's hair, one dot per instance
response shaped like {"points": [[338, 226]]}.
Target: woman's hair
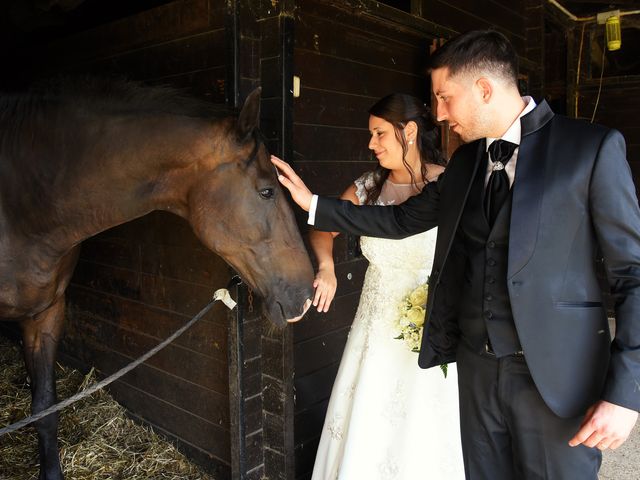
{"points": [[399, 109]]}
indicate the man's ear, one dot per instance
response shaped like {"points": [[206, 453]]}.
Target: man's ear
{"points": [[485, 89], [411, 131]]}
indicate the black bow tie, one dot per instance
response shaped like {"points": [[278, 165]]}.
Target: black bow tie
{"points": [[497, 190]]}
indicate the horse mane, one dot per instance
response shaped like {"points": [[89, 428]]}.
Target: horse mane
{"points": [[107, 95], [34, 160]]}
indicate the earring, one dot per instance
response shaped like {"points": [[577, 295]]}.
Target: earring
{"points": [[410, 142]]}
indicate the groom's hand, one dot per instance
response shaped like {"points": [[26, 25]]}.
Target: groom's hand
{"points": [[287, 177], [605, 425]]}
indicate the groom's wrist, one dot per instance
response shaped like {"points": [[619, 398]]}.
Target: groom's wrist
{"points": [[312, 210]]}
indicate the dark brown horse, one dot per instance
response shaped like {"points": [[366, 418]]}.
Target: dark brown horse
{"points": [[77, 159]]}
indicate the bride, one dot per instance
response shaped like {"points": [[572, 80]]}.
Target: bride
{"points": [[387, 418]]}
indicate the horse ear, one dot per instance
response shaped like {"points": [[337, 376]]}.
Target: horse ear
{"points": [[249, 115]]}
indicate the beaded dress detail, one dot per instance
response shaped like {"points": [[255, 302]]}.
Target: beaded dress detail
{"points": [[388, 419]]}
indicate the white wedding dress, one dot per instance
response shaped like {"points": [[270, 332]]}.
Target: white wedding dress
{"points": [[388, 419]]}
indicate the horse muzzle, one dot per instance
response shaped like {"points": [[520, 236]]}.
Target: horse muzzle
{"points": [[288, 305], [305, 307]]}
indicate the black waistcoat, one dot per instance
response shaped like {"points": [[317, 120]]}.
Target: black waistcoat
{"points": [[485, 310]]}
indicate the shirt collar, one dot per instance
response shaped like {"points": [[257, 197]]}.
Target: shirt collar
{"points": [[514, 132]]}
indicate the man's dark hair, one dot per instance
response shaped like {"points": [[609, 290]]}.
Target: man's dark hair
{"points": [[478, 51]]}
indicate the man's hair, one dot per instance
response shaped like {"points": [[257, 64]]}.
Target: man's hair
{"points": [[478, 51]]}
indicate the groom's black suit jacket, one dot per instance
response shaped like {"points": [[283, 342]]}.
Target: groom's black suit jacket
{"points": [[573, 201]]}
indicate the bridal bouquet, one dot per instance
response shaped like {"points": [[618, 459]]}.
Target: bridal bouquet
{"points": [[410, 322]]}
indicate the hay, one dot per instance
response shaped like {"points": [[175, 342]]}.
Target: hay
{"points": [[96, 439]]}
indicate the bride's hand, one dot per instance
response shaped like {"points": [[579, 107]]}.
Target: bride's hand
{"points": [[292, 182], [325, 284]]}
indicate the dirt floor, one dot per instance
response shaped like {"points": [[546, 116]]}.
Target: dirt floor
{"points": [[97, 440]]}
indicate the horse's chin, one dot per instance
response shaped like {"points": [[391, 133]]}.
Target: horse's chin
{"points": [[279, 318], [306, 306]]}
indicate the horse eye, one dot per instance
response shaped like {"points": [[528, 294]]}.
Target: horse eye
{"points": [[266, 192]]}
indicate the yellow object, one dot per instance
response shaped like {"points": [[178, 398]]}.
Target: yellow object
{"points": [[613, 35]]}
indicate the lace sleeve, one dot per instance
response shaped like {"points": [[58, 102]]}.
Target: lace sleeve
{"points": [[363, 183]]}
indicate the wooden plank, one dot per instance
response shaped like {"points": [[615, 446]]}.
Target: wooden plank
{"points": [[191, 265], [257, 473], [343, 246], [373, 17], [315, 388], [159, 228], [254, 454], [338, 145], [272, 360], [165, 293], [342, 75], [194, 430], [184, 263], [612, 96], [269, 34], [330, 178], [339, 316], [253, 414], [465, 15], [207, 337], [322, 107], [158, 25], [516, 7], [319, 352], [274, 462], [209, 83], [175, 391], [192, 54], [252, 340], [309, 422], [305, 456], [270, 78], [91, 339], [318, 35], [611, 119]]}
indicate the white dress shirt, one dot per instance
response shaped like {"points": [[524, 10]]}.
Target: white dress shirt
{"points": [[513, 135]]}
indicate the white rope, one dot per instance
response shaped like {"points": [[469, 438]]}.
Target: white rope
{"points": [[221, 294]]}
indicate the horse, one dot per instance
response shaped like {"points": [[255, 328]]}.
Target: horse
{"points": [[79, 157]]}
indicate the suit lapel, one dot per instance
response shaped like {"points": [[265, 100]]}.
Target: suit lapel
{"points": [[528, 188]]}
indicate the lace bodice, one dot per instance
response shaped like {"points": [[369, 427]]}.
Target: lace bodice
{"points": [[410, 254]]}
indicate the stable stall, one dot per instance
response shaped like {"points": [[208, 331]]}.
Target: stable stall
{"points": [[241, 398]]}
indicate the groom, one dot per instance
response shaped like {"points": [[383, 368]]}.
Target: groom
{"points": [[524, 209]]}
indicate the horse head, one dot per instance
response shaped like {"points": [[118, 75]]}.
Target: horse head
{"points": [[238, 210]]}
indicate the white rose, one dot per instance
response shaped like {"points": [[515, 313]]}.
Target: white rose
{"points": [[419, 296], [416, 316]]}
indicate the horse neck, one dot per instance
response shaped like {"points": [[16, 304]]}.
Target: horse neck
{"points": [[144, 165]]}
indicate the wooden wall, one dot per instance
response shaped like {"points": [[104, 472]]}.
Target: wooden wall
{"points": [[616, 102], [136, 284], [379, 50]]}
